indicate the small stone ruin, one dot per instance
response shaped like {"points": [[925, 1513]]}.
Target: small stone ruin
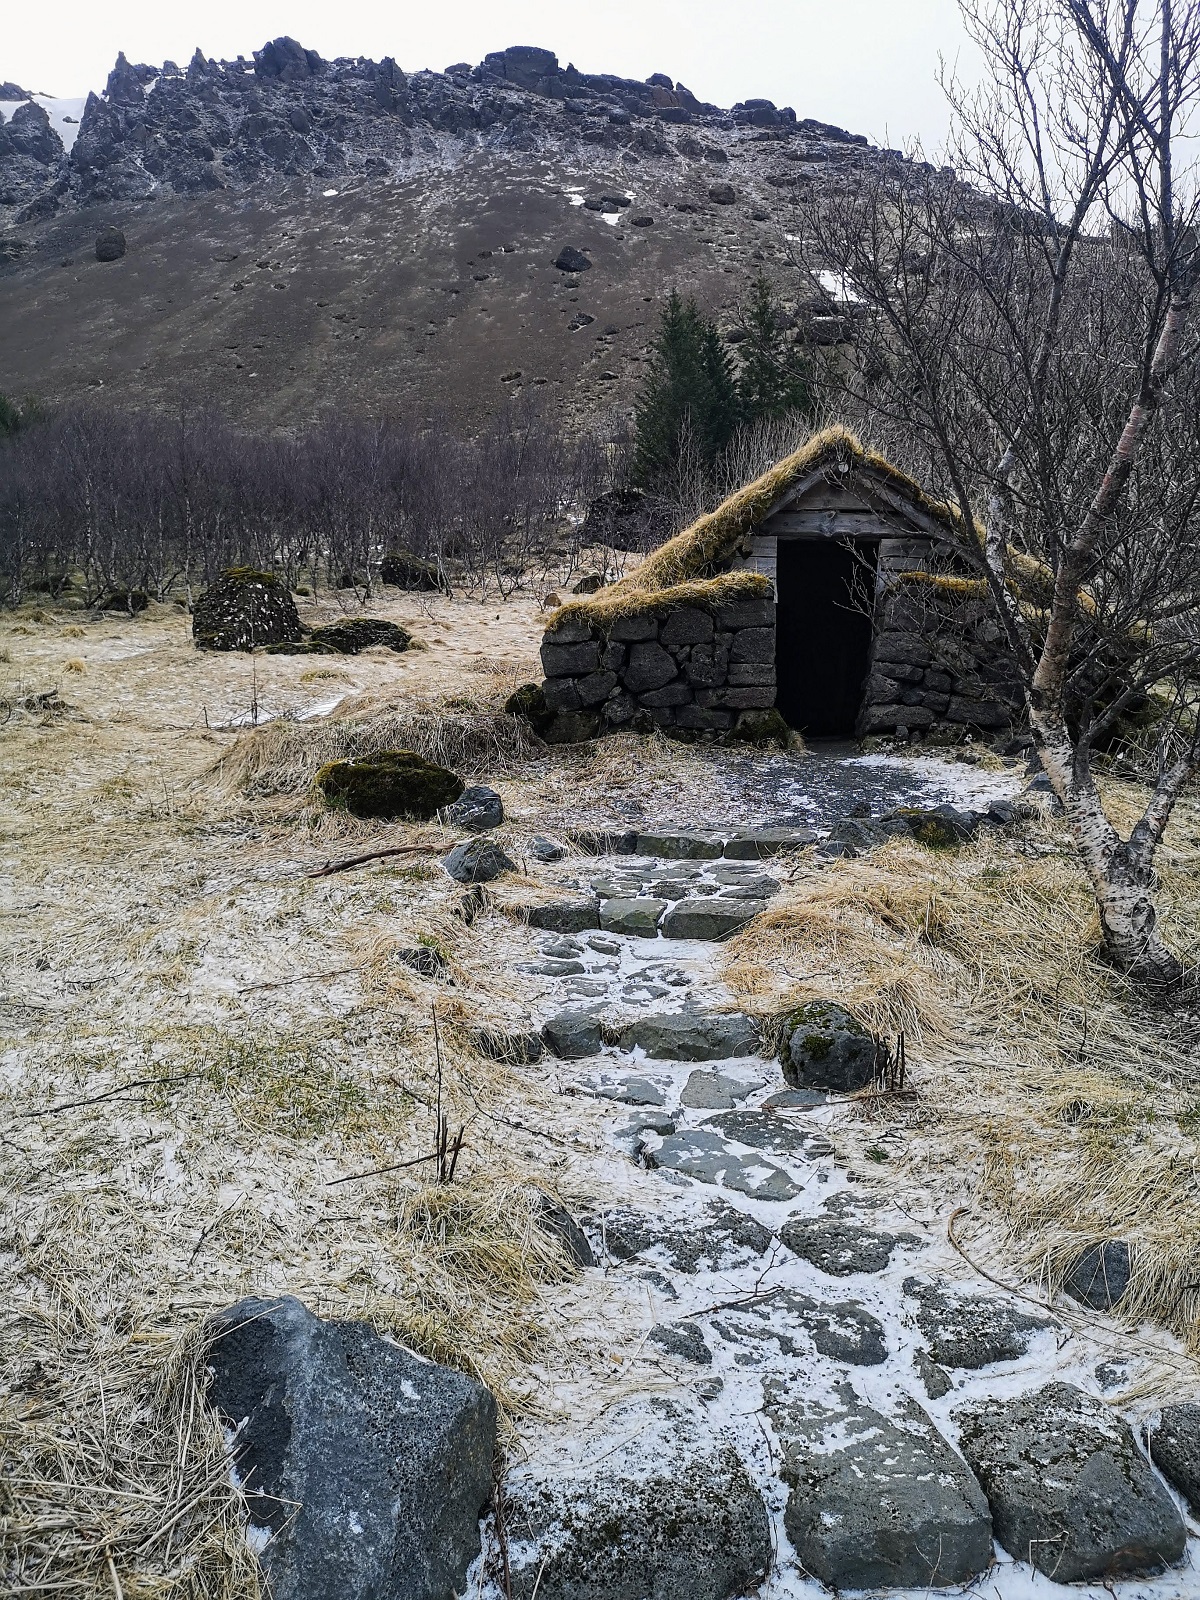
{"points": [[243, 609]]}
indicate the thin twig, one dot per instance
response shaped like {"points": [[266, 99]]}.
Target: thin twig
{"points": [[376, 1172], [111, 1094], [347, 862]]}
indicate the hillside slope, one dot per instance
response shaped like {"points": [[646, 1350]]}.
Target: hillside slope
{"points": [[304, 234]]}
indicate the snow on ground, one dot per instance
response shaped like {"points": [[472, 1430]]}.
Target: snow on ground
{"points": [[64, 114]]}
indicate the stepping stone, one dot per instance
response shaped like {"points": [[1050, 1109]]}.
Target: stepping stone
{"points": [[586, 988], [756, 888], [716, 1091], [692, 1036], [970, 1331], [636, 918], [680, 846], [763, 1130], [707, 1158], [631, 1091], [844, 1331], [565, 916], [552, 968], [876, 1502], [643, 1502], [1069, 1489], [682, 1339], [796, 1100], [708, 919], [572, 1035], [837, 1247], [756, 844], [1175, 1450], [616, 888], [604, 947], [719, 1238], [562, 947], [674, 892]]}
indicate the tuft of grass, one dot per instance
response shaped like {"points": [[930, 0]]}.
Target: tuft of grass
{"points": [[75, 664]]}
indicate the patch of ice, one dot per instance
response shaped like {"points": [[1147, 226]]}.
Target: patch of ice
{"points": [[322, 708], [838, 287], [259, 1538], [611, 217], [328, 194]]}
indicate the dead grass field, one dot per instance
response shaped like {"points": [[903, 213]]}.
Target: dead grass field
{"points": [[205, 1054]]}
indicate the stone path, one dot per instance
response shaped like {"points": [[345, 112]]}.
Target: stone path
{"points": [[869, 1413]]}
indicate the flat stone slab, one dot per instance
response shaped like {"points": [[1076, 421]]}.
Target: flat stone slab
{"points": [[970, 1331], [764, 1130], [644, 1502], [1069, 1489], [719, 1238], [838, 1247], [680, 846], [706, 1157], [636, 918], [630, 1091], [716, 1091], [692, 1036], [843, 1331], [708, 919], [756, 844], [565, 916], [682, 1339], [876, 1502], [553, 967]]}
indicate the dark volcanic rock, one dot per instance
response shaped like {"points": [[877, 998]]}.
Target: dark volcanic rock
{"points": [[1069, 1489], [665, 1513], [243, 609], [874, 1501], [970, 1330], [369, 1466], [557, 1220], [823, 1047], [682, 1339], [572, 1035], [842, 1330], [837, 1246], [110, 244], [571, 260], [477, 809], [720, 1238], [477, 861], [692, 1036], [1175, 1450], [1099, 1277]]}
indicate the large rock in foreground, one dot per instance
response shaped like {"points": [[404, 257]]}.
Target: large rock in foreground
{"points": [[369, 1466], [876, 1502], [1069, 1489], [824, 1047], [663, 1512], [244, 609]]}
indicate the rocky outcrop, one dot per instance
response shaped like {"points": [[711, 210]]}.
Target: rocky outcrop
{"points": [[366, 1467]]}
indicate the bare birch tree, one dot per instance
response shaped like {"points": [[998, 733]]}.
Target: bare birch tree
{"points": [[1023, 331]]}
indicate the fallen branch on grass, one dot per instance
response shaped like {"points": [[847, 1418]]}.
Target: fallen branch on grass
{"points": [[347, 862]]}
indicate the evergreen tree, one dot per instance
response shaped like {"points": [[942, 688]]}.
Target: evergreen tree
{"points": [[774, 378], [690, 391]]}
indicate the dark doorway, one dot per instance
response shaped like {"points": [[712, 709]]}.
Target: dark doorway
{"points": [[823, 633]]}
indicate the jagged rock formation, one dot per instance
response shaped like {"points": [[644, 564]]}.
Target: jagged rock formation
{"points": [[389, 205]]}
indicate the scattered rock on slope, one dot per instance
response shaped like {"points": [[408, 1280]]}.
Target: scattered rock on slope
{"points": [[369, 1466], [1069, 1489], [477, 809], [824, 1047], [1175, 1450], [394, 783], [110, 244]]}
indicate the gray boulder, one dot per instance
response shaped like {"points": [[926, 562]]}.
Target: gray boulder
{"points": [[707, 1090], [369, 1466], [572, 1035], [110, 244], [876, 1502], [664, 1512], [721, 1237], [824, 1047], [692, 1036], [969, 1330], [477, 861], [704, 1155], [477, 809], [565, 916], [796, 1324], [569, 259], [682, 1339], [543, 849], [637, 918], [1099, 1276], [1069, 1489], [557, 1221], [837, 1246], [1175, 1450]]}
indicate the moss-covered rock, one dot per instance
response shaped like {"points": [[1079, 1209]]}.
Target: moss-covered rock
{"points": [[346, 639], [128, 600], [940, 828], [823, 1047], [394, 783], [760, 727], [243, 609], [403, 570]]}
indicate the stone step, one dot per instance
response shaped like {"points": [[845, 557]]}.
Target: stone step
{"points": [[683, 844]]}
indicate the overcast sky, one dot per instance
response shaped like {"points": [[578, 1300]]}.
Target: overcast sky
{"points": [[869, 65]]}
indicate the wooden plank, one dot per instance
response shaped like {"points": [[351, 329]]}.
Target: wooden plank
{"points": [[828, 525]]}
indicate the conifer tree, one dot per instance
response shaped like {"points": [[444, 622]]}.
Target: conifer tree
{"points": [[690, 391], [774, 378]]}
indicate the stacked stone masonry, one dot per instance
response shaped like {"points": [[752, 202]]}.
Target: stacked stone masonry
{"points": [[692, 668]]}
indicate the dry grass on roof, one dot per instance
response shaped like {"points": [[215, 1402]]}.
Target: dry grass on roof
{"points": [[615, 602]]}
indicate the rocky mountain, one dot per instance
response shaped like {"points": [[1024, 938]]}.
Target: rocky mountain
{"points": [[302, 233]]}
